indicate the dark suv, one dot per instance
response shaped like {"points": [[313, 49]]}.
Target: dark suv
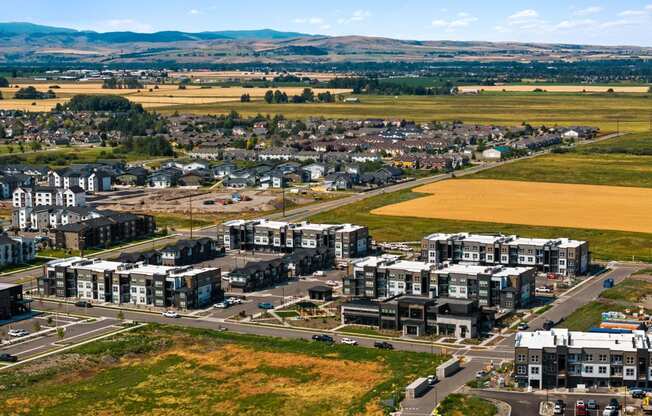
{"points": [[8, 358], [323, 338], [383, 345], [83, 304]]}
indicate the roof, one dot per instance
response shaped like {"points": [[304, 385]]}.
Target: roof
{"points": [[321, 289], [574, 339], [5, 286]]}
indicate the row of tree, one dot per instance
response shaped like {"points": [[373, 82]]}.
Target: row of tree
{"points": [[126, 82], [365, 85], [31, 93], [306, 96]]}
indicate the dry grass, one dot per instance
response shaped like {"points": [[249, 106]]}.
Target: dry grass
{"points": [[556, 88], [249, 75], [541, 204]]}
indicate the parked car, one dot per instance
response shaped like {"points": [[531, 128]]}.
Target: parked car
{"points": [[548, 325], [522, 326], [17, 333], [480, 374], [323, 338], [170, 314], [610, 411], [560, 407], [233, 301], [331, 283], [8, 358], [432, 379], [265, 305], [543, 289], [319, 273], [383, 345], [83, 304], [591, 405], [221, 305], [637, 393], [580, 408], [615, 403], [349, 341]]}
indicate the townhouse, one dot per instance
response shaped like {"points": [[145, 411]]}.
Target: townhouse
{"points": [[12, 302], [566, 359], [90, 178], [131, 283], [561, 256], [346, 240]]}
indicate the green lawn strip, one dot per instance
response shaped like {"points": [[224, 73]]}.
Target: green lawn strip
{"points": [[360, 330], [589, 315], [38, 261], [464, 404], [646, 271], [604, 244], [630, 144], [287, 314], [543, 309], [112, 384]]}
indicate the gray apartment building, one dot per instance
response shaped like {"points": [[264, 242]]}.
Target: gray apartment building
{"points": [[563, 358], [16, 250], [491, 286], [131, 283], [346, 240], [558, 255]]}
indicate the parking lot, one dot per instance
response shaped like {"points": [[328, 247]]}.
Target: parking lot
{"points": [[42, 334]]}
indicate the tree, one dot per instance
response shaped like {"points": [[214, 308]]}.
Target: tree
{"points": [[36, 326], [4, 83], [31, 93], [61, 333], [35, 146], [121, 316], [245, 98], [307, 95], [269, 96]]}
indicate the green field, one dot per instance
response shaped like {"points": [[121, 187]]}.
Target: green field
{"points": [[622, 161], [605, 244], [599, 110], [69, 155], [464, 404], [630, 290], [588, 316], [159, 370]]}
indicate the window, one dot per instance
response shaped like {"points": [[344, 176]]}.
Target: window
{"points": [[602, 370], [534, 370], [629, 360], [629, 372], [521, 369], [602, 358], [588, 369], [588, 357], [521, 357], [534, 358]]}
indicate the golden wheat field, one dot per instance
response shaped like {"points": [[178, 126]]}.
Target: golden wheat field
{"points": [[529, 203], [556, 88], [149, 96]]}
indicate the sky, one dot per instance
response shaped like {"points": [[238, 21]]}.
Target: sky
{"points": [[624, 22]]}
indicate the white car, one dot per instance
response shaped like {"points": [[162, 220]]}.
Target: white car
{"points": [[349, 341], [331, 283], [170, 314], [17, 333], [221, 305], [319, 273], [234, 301], [543, 290]]}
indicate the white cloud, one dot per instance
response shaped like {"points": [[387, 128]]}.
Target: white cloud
{"points": [[574, 24], [194, 11], [632, 13], [526, 14], [648, 7], [588, 11], [463, 20], [357, 16], [309, 20], [131, 25]]}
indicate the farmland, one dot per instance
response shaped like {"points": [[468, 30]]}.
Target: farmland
{"points": [[622, 161], [542, 204], [154, 97], [599, 110], [219, 374], [605, 244], [640, 89]]}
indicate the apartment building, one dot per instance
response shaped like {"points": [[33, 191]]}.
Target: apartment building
{"points": [[16, 250], [563, 358], [346, 240], [41, 207], [491, 286], [108, 229], [131, 283], [11, 301], [387, 276], [558, 255], [419, 315]]}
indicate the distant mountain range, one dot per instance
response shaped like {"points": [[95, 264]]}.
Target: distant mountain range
{"points": [[28, 43]]}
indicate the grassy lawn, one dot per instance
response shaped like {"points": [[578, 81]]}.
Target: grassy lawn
{"points": [[605, 244], [164, 370], [630, 290], [287, 314], [589, 315], [180, 221], [38, 261], [599, 110], [464, 404], [633, 144], [361, 330]]}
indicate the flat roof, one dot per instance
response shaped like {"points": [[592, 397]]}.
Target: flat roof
{"points": [[374, 261], [575, 339], [4, 286], [412, 266]]}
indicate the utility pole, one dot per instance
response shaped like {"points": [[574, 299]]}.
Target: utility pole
{"points": [[283, 189], [190, 207]]}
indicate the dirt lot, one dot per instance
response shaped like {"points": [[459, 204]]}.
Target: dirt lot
{"points": [[530, 203], [177, 201]]}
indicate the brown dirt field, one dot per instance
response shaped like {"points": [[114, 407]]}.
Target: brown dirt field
{"points": [[529, 203], [555, 88]]}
